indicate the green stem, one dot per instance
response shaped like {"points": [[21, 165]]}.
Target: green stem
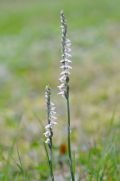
{"points": [[69, 137], [50, 160], [50, 144]]}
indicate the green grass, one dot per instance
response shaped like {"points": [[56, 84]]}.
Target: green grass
{"points": [[29, 59]]}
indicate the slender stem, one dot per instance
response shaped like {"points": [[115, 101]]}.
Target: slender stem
{"points": [[50, 160], [50, 144], [46, 153], [69, 137]]}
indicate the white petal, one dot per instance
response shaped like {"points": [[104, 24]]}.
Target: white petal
{"points": [[47, 127], [53, 123], [61, 86], [47, 141], [52, 112], [68, 55], [67, 60], [53, 117], [65, 72], [62, 67], [61, 93], [53, 108], [67, 50], [68, 41], [47, 134], [62, 60], [63, 78], [68, 67], [62, 25], [46, 96]]}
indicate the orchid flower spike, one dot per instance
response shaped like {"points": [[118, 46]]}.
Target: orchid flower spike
{"points": [[51, 116], [66, 58]]}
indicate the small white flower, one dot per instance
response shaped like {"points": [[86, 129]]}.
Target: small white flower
{"points": [[48, 127], [47, 133], [47, 141]]}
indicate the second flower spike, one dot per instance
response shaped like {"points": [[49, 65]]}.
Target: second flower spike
{"points": [[51, 116]]}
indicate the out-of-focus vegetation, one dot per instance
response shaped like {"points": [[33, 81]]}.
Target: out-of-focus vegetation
{"points": [[29, 59]]}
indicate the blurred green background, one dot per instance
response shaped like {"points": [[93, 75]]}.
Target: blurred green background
{"points": [[30, 52]]}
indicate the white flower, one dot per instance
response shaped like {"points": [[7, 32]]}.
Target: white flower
{"points": [[51, 116], [66, 58]]}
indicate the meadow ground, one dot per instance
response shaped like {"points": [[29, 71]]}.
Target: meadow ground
{"points": [[29, 60]]}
